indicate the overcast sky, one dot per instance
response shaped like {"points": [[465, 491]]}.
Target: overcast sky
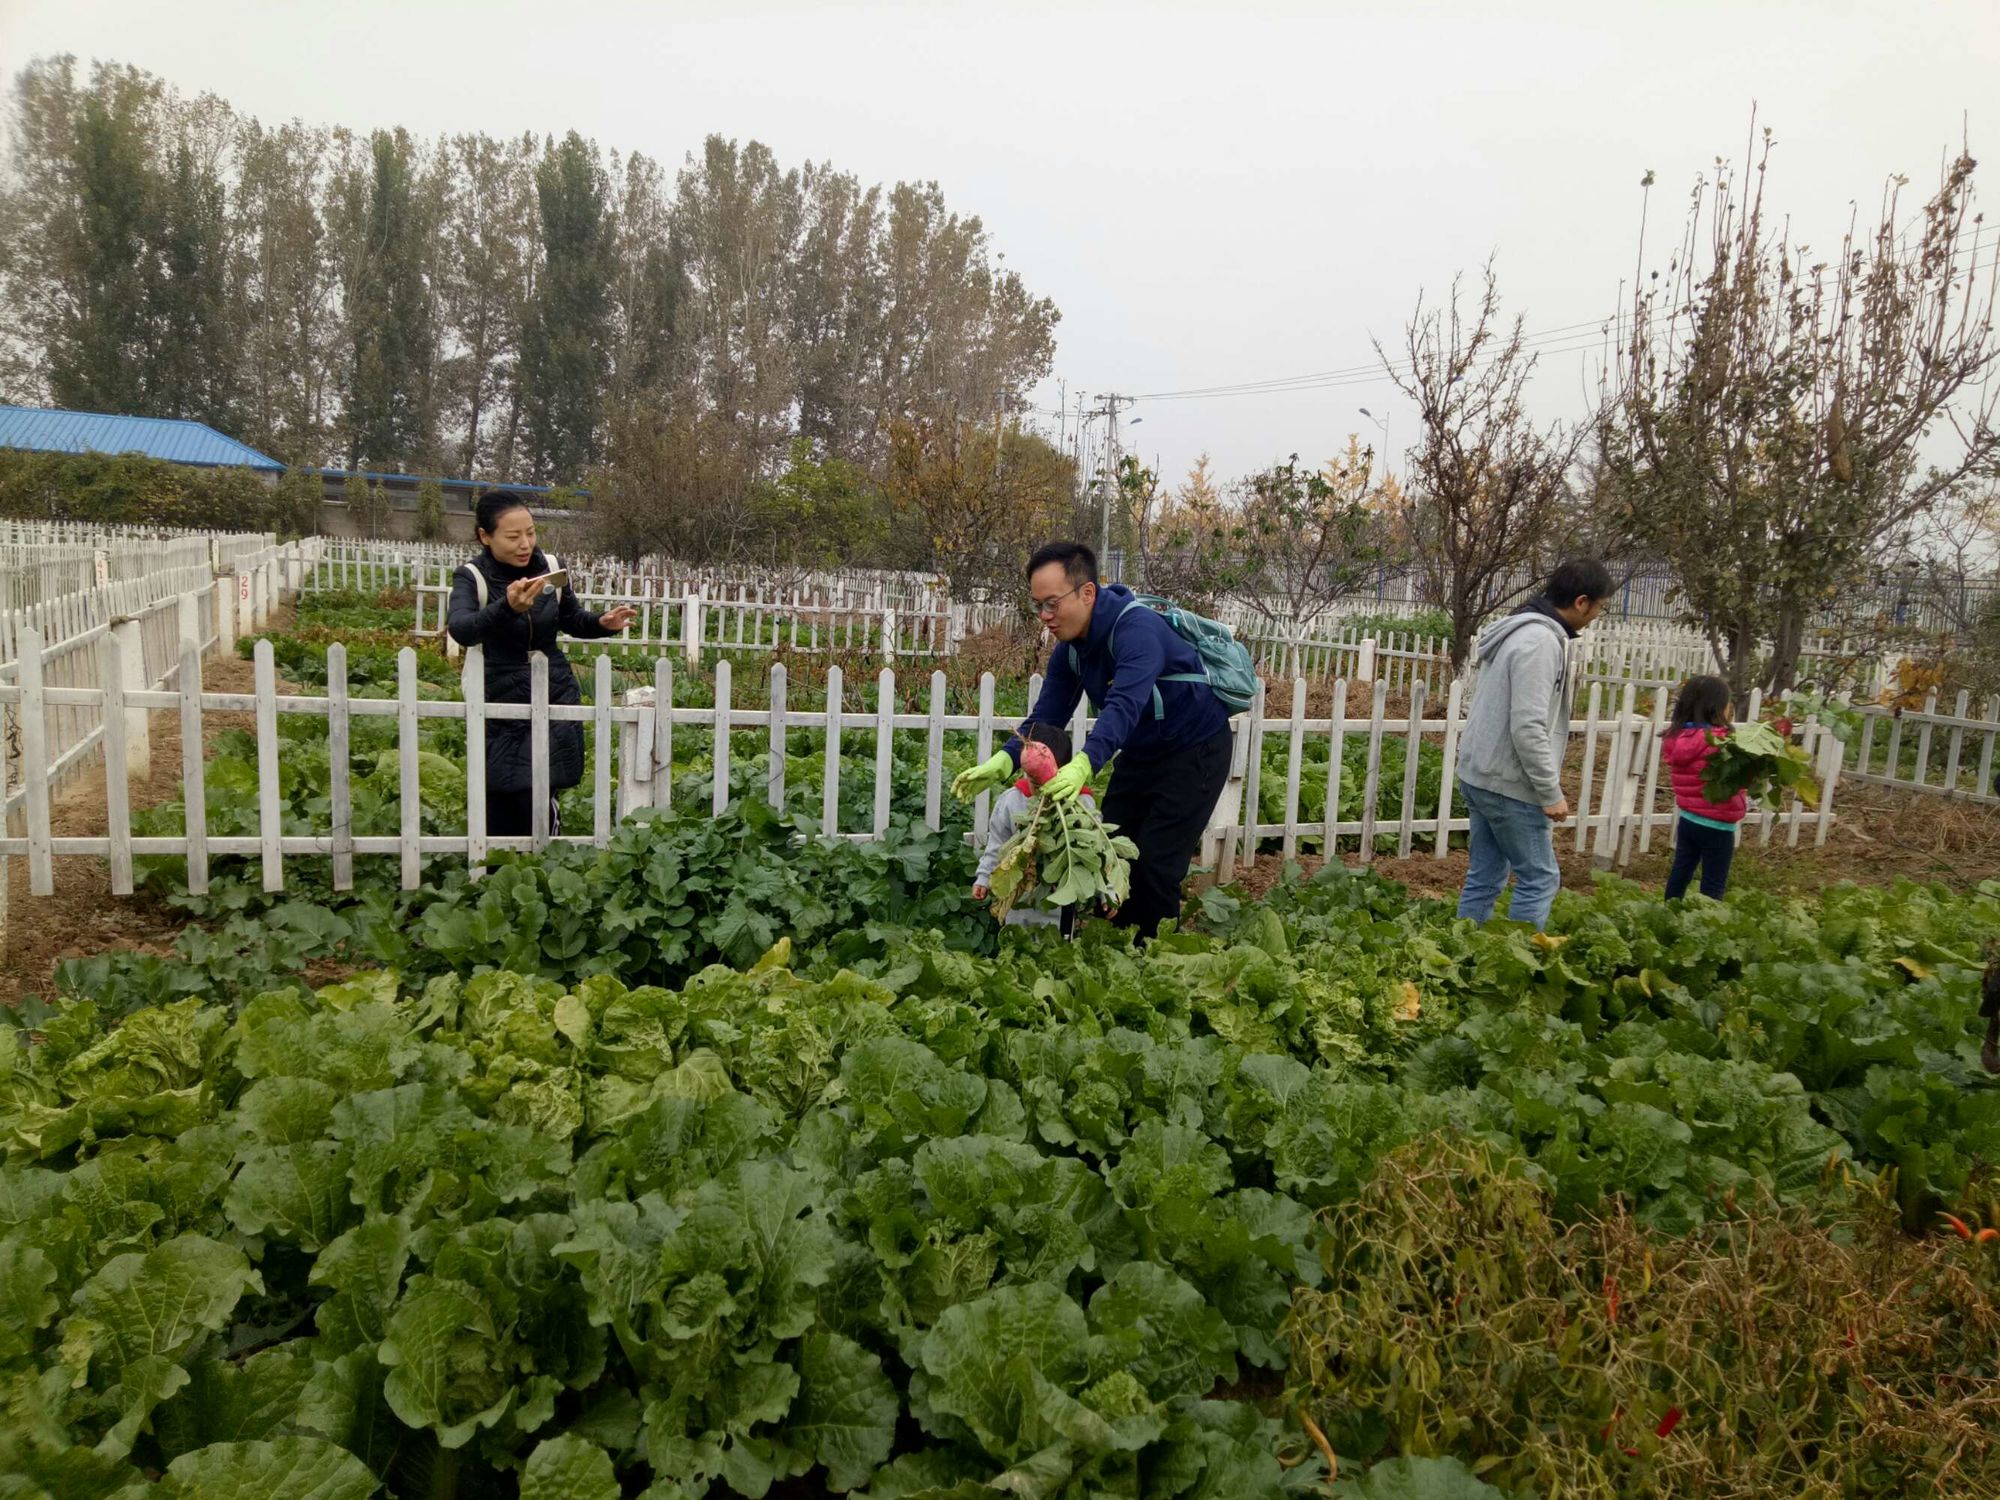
{"points": [[1213, 194]]}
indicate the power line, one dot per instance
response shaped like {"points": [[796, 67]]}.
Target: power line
{"points": [[1374, 368], [1572, 338]]}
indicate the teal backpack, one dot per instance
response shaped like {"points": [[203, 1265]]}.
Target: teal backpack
{"points": [[1226, 665]]}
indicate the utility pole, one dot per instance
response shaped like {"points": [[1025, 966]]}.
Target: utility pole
{"points": [[1109, 479], [1076, 448]]}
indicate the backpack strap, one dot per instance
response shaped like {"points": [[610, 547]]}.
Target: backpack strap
{"points": [[479, 578], [1110, 644]]}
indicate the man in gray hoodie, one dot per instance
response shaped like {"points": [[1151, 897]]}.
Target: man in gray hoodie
{"points": [[1510, 752]]}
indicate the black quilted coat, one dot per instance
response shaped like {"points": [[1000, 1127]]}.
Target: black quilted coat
{"points": [[508, 638]]}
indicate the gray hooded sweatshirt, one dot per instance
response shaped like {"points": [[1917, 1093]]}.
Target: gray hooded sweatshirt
{"points": [[1513, 739]]}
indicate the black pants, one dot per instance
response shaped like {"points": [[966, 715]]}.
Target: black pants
{"points": [[1163, 806], [512, 814], [1710, 848]]}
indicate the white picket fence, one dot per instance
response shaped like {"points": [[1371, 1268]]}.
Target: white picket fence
{"points": [[742, 618], [1618, 807], [1647, 654], [1948, 754], [61, 589], [69, 646], [912, 614], [376, 565]]}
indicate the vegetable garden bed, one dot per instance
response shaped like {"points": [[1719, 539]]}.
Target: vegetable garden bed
{"points": [[730, 1159]]}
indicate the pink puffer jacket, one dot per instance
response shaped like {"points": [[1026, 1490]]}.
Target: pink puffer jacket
{"points": [[1686, 751]]}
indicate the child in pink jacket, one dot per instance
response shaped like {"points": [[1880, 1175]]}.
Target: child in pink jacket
{"points": [[1705, 832]]}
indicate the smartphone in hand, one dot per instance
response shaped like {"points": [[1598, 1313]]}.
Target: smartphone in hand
{"points": [[555, 582]]}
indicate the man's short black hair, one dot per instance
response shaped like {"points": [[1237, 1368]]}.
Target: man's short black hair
{"points": [[1079, 563], [1579, 578]]}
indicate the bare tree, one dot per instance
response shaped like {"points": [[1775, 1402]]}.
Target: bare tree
{"points": [[1486, 487], [1773, 405]]}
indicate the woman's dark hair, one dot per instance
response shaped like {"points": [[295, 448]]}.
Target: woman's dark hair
{"points": [[493, 504], [1703, 700], [1055, 737]]}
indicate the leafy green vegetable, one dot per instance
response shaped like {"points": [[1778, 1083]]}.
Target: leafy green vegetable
{"points": [[588, 1188], [1755, 759], [1065, 854]]}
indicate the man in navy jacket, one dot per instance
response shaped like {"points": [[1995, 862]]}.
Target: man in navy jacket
{"points": [[1154, 712]]}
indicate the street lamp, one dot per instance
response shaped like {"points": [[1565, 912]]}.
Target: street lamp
{"points": [[1383, 423]]}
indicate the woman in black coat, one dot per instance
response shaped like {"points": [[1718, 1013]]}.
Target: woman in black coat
{"points": [[520, 615]]}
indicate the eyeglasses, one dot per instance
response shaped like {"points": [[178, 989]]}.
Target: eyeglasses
{"points": [[1046, 607]]}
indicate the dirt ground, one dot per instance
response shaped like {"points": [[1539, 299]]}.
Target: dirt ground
{"points": [[1878, 836], [83, 917]]}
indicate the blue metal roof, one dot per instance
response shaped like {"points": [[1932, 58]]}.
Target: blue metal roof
{"points": [[44, 430]]}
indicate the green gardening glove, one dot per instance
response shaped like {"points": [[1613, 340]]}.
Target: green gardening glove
{"points": [[995, 771], [1066, 783]]}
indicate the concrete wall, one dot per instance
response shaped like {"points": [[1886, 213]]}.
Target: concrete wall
{"points": [[335, 519]]}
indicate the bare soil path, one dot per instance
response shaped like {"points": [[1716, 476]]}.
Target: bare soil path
{"points": [[83, 917]]}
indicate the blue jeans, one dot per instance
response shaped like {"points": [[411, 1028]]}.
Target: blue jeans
{"points": [[1509, 836]]}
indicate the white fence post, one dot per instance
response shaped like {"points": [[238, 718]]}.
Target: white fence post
{"points": [[189, 621], [35, 765], [270, 825], [117, 779], [539, 726], [635, 754], [691, 629], [472, 678], [601, 815], [1364, 670], [225, 610], [409, 806], [340, 797], [829, 815], [194, 785], [127, 636]]}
